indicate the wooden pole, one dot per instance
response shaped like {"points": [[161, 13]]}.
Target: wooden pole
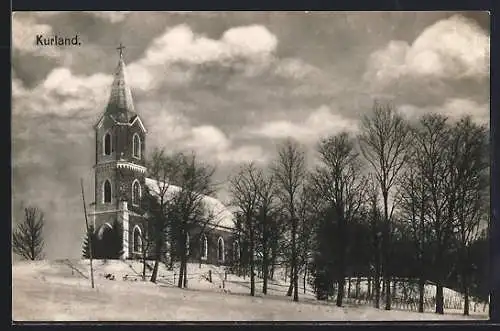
{"points": [[89, 235]]}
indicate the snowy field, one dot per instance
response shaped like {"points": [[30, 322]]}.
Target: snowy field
{"points": [[60, 291]]}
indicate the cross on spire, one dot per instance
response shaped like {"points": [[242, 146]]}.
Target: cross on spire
{"points": [[120, 49]]}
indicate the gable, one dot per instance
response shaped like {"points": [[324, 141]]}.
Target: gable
{"points": [[136, 120]]}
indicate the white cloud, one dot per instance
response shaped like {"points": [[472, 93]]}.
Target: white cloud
{"points": [[320, 123], [294, 68], [250, 41], [62, 93], [453, 108], [451, 48], [179, 44], [175, 132], [243, 154], [207, 137]]}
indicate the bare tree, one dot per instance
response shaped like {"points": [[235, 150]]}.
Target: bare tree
{"points": [[383, 142], [468, 161], [431, 139], [338, 179], [163, 169], [290, 172], [374, 217], [414, 200], [27, 238], [244, 190], [149, 203], [307, 211], [189, 205], [266, 219]]}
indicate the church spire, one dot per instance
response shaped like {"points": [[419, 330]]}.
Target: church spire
{"points": [[120, 101]]}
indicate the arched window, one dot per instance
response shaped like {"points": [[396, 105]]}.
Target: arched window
{"points": [[136, 192], [136, 146], [187, 244], [236, 251], [204, 247], [107, 144], [137, 246], [220, 250], [106, 191]]}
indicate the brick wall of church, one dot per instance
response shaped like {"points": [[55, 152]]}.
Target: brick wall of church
{"points": [[212, 238], [124, 143], [126, 177]]}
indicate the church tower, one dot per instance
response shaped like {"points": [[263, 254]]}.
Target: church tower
{"points": [[120, 166]]}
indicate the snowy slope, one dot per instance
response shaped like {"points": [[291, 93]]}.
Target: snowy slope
{"points": [[60, 290]]}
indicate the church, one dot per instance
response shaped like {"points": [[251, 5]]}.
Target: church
{"points": [[120, 174]]}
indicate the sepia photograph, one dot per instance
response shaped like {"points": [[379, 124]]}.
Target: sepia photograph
{"points": [[250, 166]]}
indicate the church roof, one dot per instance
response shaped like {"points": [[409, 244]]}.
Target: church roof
{"points": [[121, 105], [222, 216]]}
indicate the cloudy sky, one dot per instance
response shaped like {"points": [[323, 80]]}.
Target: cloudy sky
{"points": [[227, 85]]}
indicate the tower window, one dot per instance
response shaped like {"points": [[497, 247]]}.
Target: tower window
{"points": [[107, 191], [136, 146], [108, 148], [136, 192]]}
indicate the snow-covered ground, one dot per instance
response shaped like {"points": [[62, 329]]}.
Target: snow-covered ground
{"points": [[60, 291]]}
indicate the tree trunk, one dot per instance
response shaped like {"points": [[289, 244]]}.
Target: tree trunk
{"points": [[376, 284], [393, 293], [294, 263], [290, 288], [296, 285], [466, 295], [181, 276], [378, 269], [349, 286], [252, 278], [341, 265], [369, 294], [144, 268], [265, 271], [185, 274], [154, 274], [439, 299], [358, 286], [305, 277], [340, 291], [385, 249], [421, 294], [273, 262]]}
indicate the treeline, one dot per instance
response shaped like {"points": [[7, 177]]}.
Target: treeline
{"points": [[401, 199]]}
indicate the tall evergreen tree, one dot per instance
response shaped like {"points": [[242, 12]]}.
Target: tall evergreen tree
{"points": [[87, 241]]}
